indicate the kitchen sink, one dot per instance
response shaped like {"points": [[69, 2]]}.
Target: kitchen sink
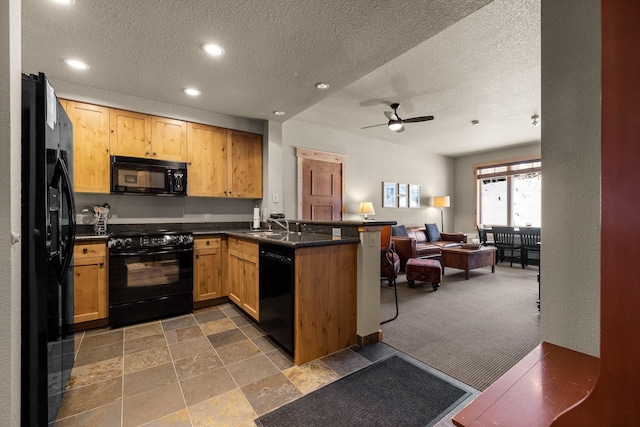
{"points": [[265, 233]]}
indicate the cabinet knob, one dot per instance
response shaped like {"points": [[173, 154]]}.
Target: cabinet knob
{"points": [[147, 153], [85, 250], [197, 255], [207, 243], [107, 150], [101, 264], [154, 153]]}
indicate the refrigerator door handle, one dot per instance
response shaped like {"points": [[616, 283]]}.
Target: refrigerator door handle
{"points": [[71, 205]]}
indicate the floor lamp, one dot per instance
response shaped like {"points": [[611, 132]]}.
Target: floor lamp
{"points": [[441, 202]]}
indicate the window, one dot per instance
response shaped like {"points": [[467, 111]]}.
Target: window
{"points": [[509, 193]]}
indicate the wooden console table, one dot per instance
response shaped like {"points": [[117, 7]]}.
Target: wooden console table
{"points": [[535, 391]]}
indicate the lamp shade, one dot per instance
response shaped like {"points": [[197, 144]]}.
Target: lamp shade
{"points": [[441, 201], [366, 208]]}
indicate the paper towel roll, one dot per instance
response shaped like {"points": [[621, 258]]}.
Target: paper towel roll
{"points": [[256, 223], [256, 215]]}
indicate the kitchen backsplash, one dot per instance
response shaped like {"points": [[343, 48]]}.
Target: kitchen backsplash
{"points": [[153, 209]]}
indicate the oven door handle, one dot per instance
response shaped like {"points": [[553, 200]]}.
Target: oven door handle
{"points": [[147, 252]]}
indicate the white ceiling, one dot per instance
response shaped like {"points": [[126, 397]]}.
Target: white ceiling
{"points": [[457, 60]]}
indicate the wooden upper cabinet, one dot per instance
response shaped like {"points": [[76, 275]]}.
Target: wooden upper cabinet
{"points": [[130, 133], [91, 165], [245, 170], [141, 135], [206, 160], [168, 139]]}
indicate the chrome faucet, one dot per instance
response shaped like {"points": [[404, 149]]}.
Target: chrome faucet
{"points": [[285, 226]]}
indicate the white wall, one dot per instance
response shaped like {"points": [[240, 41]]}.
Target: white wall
{"points": [[571, 129], [369, 163], [10, 170], [462, 202]]}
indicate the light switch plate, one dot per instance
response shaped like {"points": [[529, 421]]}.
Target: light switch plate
{"points": [[336, 232], [275, 198]]}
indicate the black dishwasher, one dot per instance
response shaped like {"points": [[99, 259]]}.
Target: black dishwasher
{"points": [[277, 293]]}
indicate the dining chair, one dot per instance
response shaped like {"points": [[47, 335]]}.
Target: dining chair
{"points": [[529, 242], [504, 238]]}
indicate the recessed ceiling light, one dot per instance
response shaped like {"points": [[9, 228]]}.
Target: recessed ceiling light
{"points": [[322, 86], [66, 2], [77, 64], [213, 49], [192, 91], [279, 113]]}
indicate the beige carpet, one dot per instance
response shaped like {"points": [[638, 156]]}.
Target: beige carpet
{"points": [[473, 330]]}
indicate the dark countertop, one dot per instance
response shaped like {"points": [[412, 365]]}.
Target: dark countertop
{"points": [[283, 238], [293, 239], [82, 237]]}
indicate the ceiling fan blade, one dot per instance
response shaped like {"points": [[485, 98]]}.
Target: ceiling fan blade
{"points": [[391, 115], [417, 119], [372, 126]]}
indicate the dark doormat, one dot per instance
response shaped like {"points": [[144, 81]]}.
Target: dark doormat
{"points": [[392, 392]]}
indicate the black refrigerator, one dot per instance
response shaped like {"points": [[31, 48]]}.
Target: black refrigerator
{"points": [[48, 234]]}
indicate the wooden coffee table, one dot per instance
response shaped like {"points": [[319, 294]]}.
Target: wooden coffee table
{"points": [[469, 259]]}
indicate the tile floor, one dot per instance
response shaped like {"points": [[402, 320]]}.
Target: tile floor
{"points": [[213, 367]]}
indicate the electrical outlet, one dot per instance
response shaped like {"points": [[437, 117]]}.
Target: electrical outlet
{"points": [[275, 198]]}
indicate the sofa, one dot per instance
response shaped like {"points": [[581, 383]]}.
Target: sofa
{"points": [[415, 242]]}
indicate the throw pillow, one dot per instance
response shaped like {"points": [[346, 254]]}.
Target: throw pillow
{"points": [[399, 230], [433, 234]]}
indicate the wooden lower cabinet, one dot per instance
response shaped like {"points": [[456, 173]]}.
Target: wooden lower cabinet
{"points": [[325, 313], [90, 282], [208, 268], [243, 276]]}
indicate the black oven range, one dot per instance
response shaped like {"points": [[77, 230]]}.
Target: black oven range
{"points": [[150, 276]]}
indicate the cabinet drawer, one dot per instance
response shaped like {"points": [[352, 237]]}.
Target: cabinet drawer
{"points": [[243, 246], [94, 249], [207, 243]]}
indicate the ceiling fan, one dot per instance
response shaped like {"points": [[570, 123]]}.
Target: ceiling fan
{"points": [[396, 123]]}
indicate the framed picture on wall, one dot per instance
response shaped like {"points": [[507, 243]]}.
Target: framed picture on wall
{"points": [[403, 201], [414, 195], [389, 195], [403, 190]]}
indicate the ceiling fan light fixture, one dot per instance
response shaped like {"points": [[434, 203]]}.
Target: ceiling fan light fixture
{"points": [[535, 119], [395, 125], [322, 85]]}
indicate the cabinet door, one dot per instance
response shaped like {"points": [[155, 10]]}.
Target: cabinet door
{"points": [[130, 133], [236, 276], [207, 161], [90, 281], [245, 171], [207, 280], [251, 300], [168, 139], [91, 163]]}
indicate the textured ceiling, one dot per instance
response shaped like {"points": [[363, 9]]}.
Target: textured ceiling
{"points": [[434, 57]]}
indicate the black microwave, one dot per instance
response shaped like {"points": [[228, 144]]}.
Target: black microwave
{"points": [[132, 175]]}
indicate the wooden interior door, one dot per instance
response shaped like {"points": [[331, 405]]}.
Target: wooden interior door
{"points": [[321, 190]]}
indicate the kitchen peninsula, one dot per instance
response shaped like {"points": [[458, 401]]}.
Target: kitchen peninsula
{"points": [[332, 274]]}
